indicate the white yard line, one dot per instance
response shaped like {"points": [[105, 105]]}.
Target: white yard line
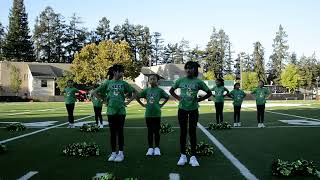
{"points": [[41, 130], [28, 175], [243, 170], [174, 176]]}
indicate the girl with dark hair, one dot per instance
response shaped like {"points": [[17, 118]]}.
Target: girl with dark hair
{"points": [[153, 95], [218, 98], [188, 109], [116, 90], [261, 94], [97, 107], [70, 98], [237, 96]]}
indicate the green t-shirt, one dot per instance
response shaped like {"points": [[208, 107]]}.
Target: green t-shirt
{"points": [[153, 96], [261, 94], [238, 96], [95, 101], [70, 95], [189, 91], [218, 93], [115, 91]]}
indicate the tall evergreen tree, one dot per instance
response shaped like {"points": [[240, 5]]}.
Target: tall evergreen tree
{"points": [[49, 37], [1, 40], [18, 45], [279, 55], [246, 62], [145, 47], [293, 58], [258, 59], [157, 48], [76, 37], [103, 31], [228, 62]]}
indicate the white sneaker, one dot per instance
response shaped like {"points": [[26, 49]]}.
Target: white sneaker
{"points": [[239, 124], [72, 125], [194, 162], [120, 157], [183, 160], [149, 152], [100, 126], [157, 151], [235, 124], [262, 125], [113, 156], [259, 125]]}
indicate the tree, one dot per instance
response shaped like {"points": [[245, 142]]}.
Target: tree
{"points": [[15, 80], [76, 37], [62, 81], [246, 62], [308, 72], [209, 75], [290, 77], [184, 50], [103, 31], [249, 80], [1, 41], [279, 55], [229, 77], [91, 64], [157, 47], [216, 57], [228, 60], [145, 47], [18, 45], [49, 37], [258, 59], [293, 59]]}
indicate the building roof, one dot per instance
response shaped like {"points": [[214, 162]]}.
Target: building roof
{"points": [[45, 71]]}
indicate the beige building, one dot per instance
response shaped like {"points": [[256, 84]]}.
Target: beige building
{"points": [[38, 79]]}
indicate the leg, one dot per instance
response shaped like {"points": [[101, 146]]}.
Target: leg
{"points": [[121, 119], [96, 114], [156, 131], [113, 141], [193, 120], [100, 114], [258, 113], [150, 133], [217, 112], [263, 107], [183, 122], [235, 114]]}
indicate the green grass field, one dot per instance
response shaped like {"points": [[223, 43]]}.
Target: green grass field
{"points": [[255, 148]]}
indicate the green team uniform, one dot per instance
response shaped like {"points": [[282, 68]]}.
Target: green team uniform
{"points": [[218, 93], [153, 96], [188, 92], [261, 94], [238, 96], [95, 101], [115, 91], [69, 95]]}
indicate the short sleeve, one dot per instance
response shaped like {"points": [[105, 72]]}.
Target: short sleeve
{"points": [[102, 88], [143, 93], [176, 83], [203, 86]]}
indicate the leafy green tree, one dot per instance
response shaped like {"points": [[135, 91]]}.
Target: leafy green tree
{"points": [[91, 64], [279, 55], [249, 80], [157, 48], [229, 77], [293, 59], [18, 44], [209, 75], [49, 37], [258, 59], [290, 77], [62, 81], [15, 80]]}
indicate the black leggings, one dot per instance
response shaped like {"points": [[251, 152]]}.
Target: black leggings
{"points": [[236, 115], [260, 113], [153, 124], [116, 123], [97, 114], [70, 108], [183, 117], [219, 112]]}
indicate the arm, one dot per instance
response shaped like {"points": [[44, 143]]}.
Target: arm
{"points": [[164, 102], [209, 93], [171, 91], [133, 96], [226, 90]]}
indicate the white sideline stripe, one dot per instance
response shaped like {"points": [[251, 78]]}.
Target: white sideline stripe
{"points": [[41, 130], [174, 176], [293, 115], [28, 175], [243, 170]]}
